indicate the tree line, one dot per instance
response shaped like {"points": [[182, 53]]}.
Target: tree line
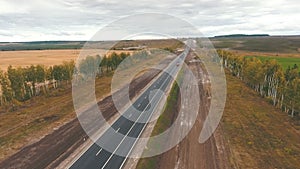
{"points": [[23, 83], [268, 78], [98, 66]]}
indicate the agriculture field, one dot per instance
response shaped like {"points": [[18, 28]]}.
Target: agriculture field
{"points": [[285, 59], [44, 57], [275, 44], [285, 62]]}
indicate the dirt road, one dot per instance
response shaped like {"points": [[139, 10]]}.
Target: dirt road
{"points": [[189, 153]]}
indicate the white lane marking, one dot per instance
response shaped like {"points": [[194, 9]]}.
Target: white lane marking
{"points": [[129, 132], [117, 130], [139, 105], [140, 132], [99, 152], [130, 114]]}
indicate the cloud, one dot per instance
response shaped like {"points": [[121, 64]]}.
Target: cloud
{"points": [[6, 33], [67, 33], [59, 19]]}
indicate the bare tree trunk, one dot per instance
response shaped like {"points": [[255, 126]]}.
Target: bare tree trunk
{"points": [[1, 100], [281, 101]]}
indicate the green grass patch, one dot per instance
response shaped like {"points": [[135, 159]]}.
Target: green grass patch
{"points": [[285, 62]]}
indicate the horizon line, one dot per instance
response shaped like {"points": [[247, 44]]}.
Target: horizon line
{"points": [[217, 36]]}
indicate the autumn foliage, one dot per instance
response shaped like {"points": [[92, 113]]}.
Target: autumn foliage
{"points": [[267, 78]]}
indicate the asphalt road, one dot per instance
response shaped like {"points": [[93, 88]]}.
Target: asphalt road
{"points": [[131, 123]]}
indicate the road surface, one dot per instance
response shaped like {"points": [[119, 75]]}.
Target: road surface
{"points": [[132, 123]]}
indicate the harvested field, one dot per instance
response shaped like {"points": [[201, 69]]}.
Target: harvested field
{"points": [[44, 57]]}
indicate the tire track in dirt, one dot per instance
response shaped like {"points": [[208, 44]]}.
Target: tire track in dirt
{"points": [[189, 153]]}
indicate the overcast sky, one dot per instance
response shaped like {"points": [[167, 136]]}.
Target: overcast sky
{"points": [[35, 20]]}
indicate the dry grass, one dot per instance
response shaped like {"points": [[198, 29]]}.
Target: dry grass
{"points": [[40, 116], [259, 135]]}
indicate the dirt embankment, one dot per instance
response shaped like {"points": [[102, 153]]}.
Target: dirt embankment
{"points": [[189, 153], [57, 146]]}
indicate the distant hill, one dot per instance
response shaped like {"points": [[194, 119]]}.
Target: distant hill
{"points": [[242, 35], [256, 43], [40, 45], [52, 45]]}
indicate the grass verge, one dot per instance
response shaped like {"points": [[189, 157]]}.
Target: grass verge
{"points": [[259, 135], [164, 121]]}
